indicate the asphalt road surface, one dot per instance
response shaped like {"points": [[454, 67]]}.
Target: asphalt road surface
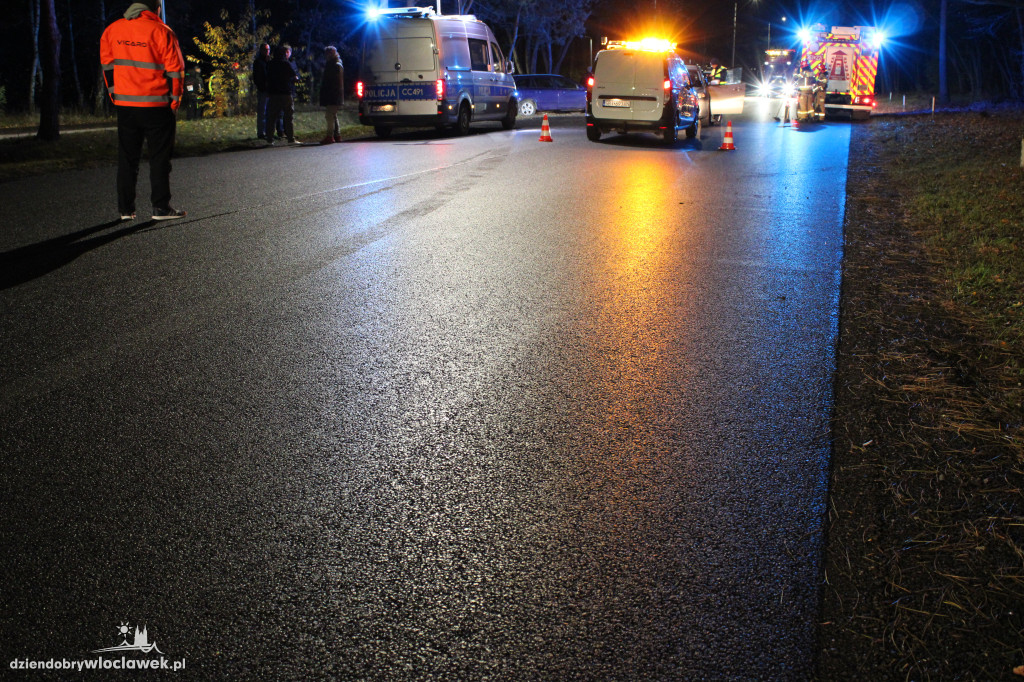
{"points": [[427, 408]]}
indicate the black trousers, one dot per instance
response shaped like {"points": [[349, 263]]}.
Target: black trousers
{"points": [[154, 126], [191, 104], [281, 106]]}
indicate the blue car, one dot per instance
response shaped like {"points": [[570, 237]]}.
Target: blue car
{"points": [[549, 92]]}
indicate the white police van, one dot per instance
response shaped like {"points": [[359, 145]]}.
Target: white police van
{"points": [[422, 69]]}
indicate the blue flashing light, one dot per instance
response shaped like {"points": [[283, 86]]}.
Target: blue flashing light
{"points": [[878, 39], [804, 34]]}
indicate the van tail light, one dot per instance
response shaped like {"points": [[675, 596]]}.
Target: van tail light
{"points": [[667, 85], [590, 88], [439, 89], [360, 89]]}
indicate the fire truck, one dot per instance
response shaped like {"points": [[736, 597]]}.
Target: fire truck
{"points": [[850, 57]]}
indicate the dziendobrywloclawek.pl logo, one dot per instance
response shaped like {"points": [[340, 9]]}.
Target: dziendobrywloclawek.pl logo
{"points": [[151, 657]]}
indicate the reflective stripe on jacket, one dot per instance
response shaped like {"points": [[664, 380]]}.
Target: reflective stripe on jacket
{"points": [[142, 62]]}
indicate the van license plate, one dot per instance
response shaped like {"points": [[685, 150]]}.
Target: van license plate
{"points": [[382, 108], [615, 103]]}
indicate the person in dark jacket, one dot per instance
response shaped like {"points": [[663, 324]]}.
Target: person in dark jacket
{"points": [[259, 79], [281, 80], [332, 93], [194, 91]]}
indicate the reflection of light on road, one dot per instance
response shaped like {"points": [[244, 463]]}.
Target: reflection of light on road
{"points": [[635, 315]]}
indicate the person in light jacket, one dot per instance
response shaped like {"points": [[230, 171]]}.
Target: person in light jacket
{"points": [[332, 93]]}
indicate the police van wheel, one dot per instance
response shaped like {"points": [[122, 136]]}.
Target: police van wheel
{"points": [[509, 122], [462, 124], [383, 132], [593, 133]]}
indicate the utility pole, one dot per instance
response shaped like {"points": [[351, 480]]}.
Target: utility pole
{"points": [[735, 7]]}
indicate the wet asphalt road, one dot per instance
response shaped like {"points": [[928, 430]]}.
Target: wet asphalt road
{"points": [[431, 408]]}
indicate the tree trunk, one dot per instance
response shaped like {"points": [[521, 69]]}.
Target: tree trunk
{"points": [[1020, 28], [80, 98], [515, 38], [49, 100], [33, 8], [100, 100], [561, 55], [943, 84]]}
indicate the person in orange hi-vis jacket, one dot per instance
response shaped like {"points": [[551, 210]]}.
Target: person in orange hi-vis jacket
{"points": [[144, 73]]}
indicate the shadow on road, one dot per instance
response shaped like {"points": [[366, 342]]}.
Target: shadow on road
{"points": [[654, 142], [26, 263]]}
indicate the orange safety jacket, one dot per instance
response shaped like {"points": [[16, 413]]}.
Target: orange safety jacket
{"points": [[142, 62]]}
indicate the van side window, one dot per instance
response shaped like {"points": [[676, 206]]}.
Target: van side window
{"points": [[455, 52], [496, 59], [478, 57]]}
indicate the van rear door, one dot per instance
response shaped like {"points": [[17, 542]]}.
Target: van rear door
{"points": [[402, 62], [628, 85]]}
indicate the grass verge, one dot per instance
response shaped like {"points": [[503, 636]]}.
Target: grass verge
{"points": [[924, 567], [87, 142]]}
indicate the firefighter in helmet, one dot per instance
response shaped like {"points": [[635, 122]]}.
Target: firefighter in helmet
{"points": [[718, 72], [821, 86], [805, 85]]}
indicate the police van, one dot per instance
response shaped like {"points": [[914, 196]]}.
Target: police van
{"points": [[423, 69], [641, 86]]}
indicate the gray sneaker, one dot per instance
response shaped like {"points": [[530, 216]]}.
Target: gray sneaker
{"points": [[167, 214]]}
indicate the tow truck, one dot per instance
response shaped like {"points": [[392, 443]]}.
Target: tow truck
{"points": [[850, 57]]}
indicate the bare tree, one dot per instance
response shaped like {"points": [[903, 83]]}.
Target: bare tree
{"points": [[80, 98], [33, 76], [943, 57], [49, 100], [101, 100]]}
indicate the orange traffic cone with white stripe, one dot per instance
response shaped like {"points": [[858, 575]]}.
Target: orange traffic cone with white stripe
{"points": [[727, 144], [545, 131]]}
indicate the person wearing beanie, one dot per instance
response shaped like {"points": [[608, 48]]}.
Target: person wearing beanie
{"points": [[144, 73]]}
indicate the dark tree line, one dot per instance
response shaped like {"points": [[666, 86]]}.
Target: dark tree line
{"points": [[49, 54]]}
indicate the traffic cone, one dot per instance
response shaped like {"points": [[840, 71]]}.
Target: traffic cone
{"points": [[545, 131], [727, 144]]}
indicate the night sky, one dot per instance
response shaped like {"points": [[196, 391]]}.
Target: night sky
{"points": [[703, 29]]}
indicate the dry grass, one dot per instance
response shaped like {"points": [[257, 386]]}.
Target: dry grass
{"points": [[925, 542], [91, 141]]}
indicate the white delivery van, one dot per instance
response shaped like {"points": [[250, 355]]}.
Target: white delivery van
{"points": [[422, 69], [641, 87]]}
